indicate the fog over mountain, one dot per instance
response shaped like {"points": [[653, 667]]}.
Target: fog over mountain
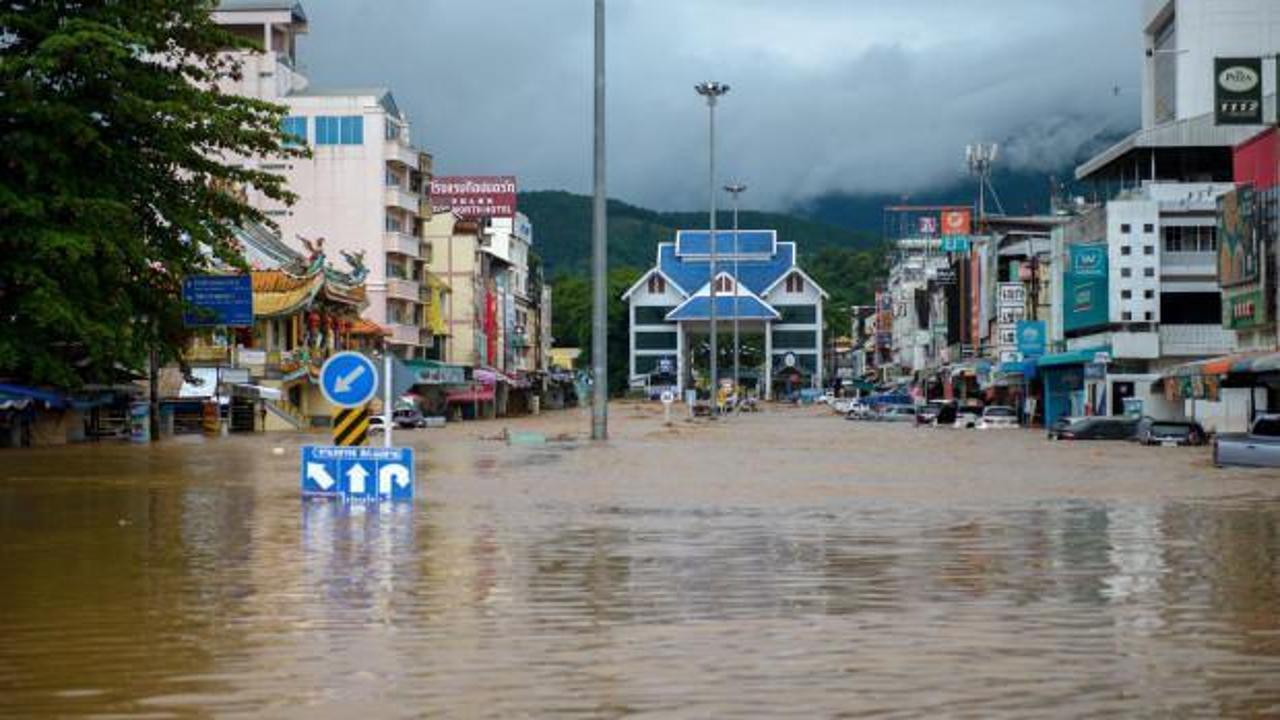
{"points": [[828, 96]]}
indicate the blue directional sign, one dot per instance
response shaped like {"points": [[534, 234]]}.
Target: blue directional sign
{"points": [[360, 474], [214, 300], [348, 379]]}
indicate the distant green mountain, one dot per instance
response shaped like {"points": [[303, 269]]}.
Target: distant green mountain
{"points": [[562, 231]]}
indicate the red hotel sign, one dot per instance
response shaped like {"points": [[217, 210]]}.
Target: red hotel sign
{"points": [[475, 196]]}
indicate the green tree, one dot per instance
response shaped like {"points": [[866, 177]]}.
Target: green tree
{"points": [[571, 323], [119, 178]]}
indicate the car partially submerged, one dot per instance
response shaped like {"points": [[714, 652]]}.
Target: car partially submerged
{"points": [[997, 417], [1169, 432], [1260, 447], [1095, 428]]}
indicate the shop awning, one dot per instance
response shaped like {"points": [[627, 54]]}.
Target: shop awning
{"points": [[1237, 364], [1074, 357], [476, 393], [19, 396]]}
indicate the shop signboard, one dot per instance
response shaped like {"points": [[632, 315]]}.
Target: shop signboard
{"points": [[1085, 287], [218, 300], [927, 225], [1011, 294], [1243, 308], [1031, 338], [956, 222], [1011, 314], [945, 276], [474, 196], [954, 243], [1007, 335], [1237, 91]]}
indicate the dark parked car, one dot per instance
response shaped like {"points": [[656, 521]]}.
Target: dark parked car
{"points": [[1096, 428], [926, 413], [1169, 432]]}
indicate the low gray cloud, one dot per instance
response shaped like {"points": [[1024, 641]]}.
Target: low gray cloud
{"points": [[828, 95]]}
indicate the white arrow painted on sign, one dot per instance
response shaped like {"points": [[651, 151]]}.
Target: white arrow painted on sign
{"points": [[343, 383], [318, 475], [389, 473], [356, 475]]}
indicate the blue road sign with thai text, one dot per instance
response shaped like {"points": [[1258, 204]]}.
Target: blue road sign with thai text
{"points": [[214, 300], [361, 474], [348, 379]]}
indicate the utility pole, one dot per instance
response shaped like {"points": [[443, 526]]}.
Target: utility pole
{"points": [[735, 189], [599, 247], [712, 91]]}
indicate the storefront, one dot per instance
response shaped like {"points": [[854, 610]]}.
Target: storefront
{"points": [[1074, 382]]}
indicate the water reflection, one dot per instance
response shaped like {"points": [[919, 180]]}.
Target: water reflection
{"points": [[157, 586]]}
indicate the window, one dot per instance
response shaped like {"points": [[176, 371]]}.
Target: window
{"points": [[1126, 250], [1148, 272], [789, 339], [657, 284], [1126, 316], [1126, 294], [392, 179], [655, 341], [724, 284], [1126, 272], [805, 314], [1149, 250], [1148, 228], [1149, 294], [795, 283], [1125, 228], [1148, 316], [296, 129], [345, 130], [652, 314], [1191, 308], [393, 223], [393, 130]]}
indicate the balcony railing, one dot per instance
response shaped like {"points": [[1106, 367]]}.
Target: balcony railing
{"points": [[401, 289], [402, 334], [1196, 340], [398, 197], [401, 243], [1189, 263], [402, 153]]}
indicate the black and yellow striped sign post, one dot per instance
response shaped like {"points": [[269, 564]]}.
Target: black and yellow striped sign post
{"points": [[351, 426]]}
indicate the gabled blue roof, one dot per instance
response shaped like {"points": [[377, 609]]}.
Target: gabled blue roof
{"points": [[750, 242], [754, 274], [699, 308]]}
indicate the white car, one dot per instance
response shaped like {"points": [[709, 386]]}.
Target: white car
{"points": [[377, 425], [998, 417], [967, 417]]}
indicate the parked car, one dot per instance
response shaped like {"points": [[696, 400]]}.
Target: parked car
{"points": [[967, 417], [928, 412], [1169, 432], [995, 417], [1097, 428], [377, 425], [858, 410], [1260, 447], [897, 413], [408, 418]]}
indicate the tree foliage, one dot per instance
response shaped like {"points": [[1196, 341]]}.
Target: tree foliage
{"points": [[571, 320], [119, 178]]}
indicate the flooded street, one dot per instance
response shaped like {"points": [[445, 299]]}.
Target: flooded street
{"points": [[786, 563]]}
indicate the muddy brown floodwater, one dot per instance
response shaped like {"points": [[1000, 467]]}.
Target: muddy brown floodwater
{"points": [[786, 563]]}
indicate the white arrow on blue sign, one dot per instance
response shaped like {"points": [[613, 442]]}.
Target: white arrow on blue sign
{"points": [[348, 379], [357, 473]]}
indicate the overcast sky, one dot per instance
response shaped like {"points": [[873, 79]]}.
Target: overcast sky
{"points": [[850, 95]]}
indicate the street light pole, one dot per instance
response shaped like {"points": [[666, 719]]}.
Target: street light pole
{"points": [[599, 259], [712, 91], [735, 189]]}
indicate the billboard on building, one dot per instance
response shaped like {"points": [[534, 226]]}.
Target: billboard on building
{"points": [[956, 222], [1084, 287], [1237, 238], [474, 196], [1237, 91]]}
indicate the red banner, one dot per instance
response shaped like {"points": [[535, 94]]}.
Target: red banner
{"points": [[475, 196]]}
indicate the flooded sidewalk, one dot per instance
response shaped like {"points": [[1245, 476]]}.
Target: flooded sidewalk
{"points": [[782, 563]]}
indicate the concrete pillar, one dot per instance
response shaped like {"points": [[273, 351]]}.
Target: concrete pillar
{"points": [[768, 360], [680, 364]]}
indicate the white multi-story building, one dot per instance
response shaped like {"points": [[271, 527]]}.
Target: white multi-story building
{"points": [[362, 190]]}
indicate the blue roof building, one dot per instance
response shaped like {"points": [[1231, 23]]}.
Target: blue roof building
{"points": [[776, 305]]}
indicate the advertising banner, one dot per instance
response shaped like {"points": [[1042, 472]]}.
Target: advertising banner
{"points": [[956, 222], [1243, 308], [1085, 287], [1237, 238], [475, 196], [927, 225], [1237, 91], [1031, 338], [1011, 294], [954, 243]]}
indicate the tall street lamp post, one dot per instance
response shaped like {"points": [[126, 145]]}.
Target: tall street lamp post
{"points": [[599, 258], [712, 91], [735, 189]]}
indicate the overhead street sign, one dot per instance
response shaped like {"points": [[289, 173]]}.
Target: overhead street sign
{"points": [[357, 474], [348, 379]]}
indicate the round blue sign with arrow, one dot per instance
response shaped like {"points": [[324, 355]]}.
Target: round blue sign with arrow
{"points": [[348, 379]]}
